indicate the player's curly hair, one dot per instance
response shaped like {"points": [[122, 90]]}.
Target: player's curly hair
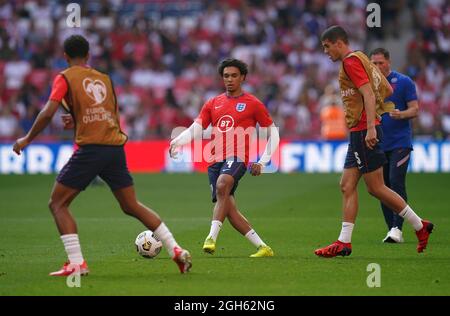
{"points": [[233, 62], [76, 46]]}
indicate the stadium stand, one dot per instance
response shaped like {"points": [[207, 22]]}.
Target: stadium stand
{"points": [[162, 56]]}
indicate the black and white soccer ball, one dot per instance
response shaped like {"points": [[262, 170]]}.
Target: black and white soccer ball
{"points": [[147, 244]]}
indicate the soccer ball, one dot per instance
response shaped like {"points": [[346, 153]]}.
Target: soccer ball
{"points": [[147, 244]]}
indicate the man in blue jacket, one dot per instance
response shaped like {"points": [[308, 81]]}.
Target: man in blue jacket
{"points": [[397, 139]]}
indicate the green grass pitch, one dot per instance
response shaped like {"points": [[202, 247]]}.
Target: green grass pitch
{"points": [[293, 213]]}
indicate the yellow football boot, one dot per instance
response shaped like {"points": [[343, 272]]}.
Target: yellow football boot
{"points": [[263, 251], [209, 246]]}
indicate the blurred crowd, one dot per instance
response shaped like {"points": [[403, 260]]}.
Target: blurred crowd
{"points": [[163, 56]]}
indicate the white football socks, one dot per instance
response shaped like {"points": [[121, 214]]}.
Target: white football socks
{"points": [[346, 232], [254, 238], [215, 229], [412, 218], [166, 237], [73, 248]]}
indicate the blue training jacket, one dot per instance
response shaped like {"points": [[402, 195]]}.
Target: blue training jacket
{"points": [[398, 133]]}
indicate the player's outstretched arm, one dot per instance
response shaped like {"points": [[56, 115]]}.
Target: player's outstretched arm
{"points": [[194, 131], [42, 120], [271, 147]]}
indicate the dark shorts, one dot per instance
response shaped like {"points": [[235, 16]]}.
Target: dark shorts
{"points": [[90, 161], [231, 166], [360, 156]]}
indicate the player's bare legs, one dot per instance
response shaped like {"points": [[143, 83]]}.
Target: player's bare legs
{"points": [[131, 206], [376, 187], [224, 185], [225, 207], [349, 188], [242, 225], [237, 220], [60, 199]]}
